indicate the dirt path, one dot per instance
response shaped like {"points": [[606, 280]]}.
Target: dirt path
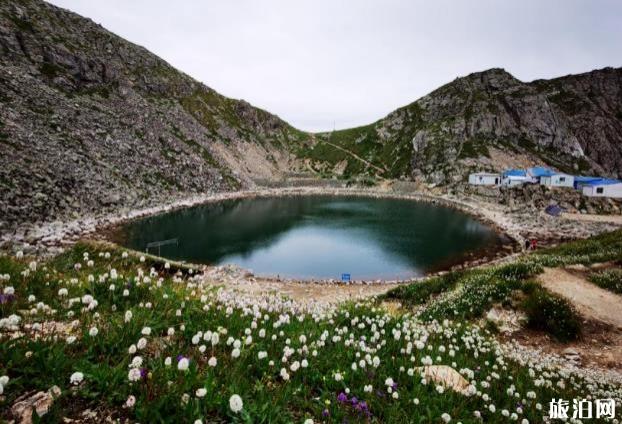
{"points": [[601, 343], [355, 156], [613, 219], [590, 300]]}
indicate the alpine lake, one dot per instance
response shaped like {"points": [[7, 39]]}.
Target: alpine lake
{"points": [[316, 236]]}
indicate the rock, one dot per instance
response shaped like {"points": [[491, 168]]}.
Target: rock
{"points": [[573, 358], [446, 376], [39, 402], [507, 321]]}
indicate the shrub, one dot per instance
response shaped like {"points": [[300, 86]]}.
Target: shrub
{"points": [[551, 313]]}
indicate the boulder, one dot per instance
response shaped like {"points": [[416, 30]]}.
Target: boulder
{"points": [[446, 376]]}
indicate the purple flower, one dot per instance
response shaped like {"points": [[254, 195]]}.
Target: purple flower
{"points": [[143, 372], [325, 413], [6, 298], [180, 357], [354, 400], [342, 397]]}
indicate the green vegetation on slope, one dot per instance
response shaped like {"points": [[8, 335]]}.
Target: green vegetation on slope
{"points": [[610, 280], [134, 338], [550, 313], [385, 148], [469, 294]]}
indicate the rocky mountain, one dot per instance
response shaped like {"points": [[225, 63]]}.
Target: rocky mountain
{"points": [[89, 122], [487, 121]]}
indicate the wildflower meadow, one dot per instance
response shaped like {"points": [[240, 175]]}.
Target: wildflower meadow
{"points": [[134, 339]]}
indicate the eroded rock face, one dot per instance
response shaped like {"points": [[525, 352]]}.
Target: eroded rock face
{"points": [[90, 122], [571, 123], [489, 121]]}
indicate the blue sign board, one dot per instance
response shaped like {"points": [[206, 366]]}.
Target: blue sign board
{"points": [[345, 277]]}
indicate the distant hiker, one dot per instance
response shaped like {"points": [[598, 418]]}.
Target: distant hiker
{"points": [[527, 244], [534, 243]]}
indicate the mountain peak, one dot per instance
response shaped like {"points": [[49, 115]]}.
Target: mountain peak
{"points": [[495, 78]]}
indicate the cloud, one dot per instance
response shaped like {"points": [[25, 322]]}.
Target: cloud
{"points": [[319, 63]]}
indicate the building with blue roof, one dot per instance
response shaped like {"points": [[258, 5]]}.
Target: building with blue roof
{"points": [[514, 173], [557, 180], [539, 171], [602, 187], [514, 177], [580, 181]]}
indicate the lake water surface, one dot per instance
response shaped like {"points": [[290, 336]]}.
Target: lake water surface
{"points": [[316, 236]]}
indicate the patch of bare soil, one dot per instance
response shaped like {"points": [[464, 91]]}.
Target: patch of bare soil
{"points": [[600, 345]]}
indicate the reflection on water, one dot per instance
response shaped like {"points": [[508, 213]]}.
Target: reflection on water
{"points": [[316, 236]]}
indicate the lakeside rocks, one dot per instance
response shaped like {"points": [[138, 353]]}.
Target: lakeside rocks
{"points": [[50, 238]]}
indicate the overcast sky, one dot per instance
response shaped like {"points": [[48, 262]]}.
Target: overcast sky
{"points": [[319, 63]]}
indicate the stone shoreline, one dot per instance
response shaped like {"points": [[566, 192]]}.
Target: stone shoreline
{"points": [[51, 238], [59, 233]]}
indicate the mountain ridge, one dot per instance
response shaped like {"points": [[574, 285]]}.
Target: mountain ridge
{"points": [[546, 122], [92, 123]]}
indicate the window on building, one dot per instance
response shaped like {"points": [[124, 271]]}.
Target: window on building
{"points": [[562, 179], [599, 190]]}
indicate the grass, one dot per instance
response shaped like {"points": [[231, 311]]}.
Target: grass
{"points": [[610, 280], [392, 152], [51, 70], [470, 294], [474, 147], [550, 313], [417, 294], [182, 314]]}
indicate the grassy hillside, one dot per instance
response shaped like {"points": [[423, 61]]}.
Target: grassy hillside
{"points": [[127, 337], [389, 151]]}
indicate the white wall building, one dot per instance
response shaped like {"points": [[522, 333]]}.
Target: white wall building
{"points": [[515, 177], [604, 189], [557, 180], [515, 180], [484, 178]]}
